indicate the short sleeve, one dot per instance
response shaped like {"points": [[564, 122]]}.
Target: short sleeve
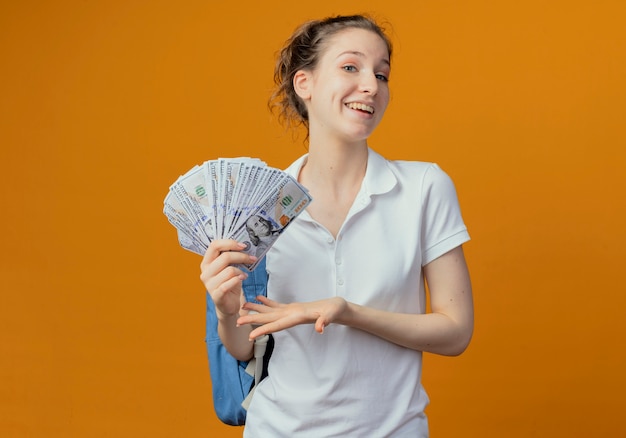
{"points": [[442, 228]]}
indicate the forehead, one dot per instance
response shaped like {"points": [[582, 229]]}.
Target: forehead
{"points": [[355, 40]]}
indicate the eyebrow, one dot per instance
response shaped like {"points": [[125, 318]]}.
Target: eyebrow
{"points": [[360, 54]]}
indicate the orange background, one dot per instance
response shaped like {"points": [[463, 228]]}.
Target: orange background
{"points": [[104, 103]]}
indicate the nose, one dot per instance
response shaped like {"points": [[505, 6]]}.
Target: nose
{"points": [[369, 84]]}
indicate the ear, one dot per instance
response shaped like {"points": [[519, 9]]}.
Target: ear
{"points": [[302, 84]]}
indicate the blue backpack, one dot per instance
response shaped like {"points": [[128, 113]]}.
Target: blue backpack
{"points": [[233, 380]]}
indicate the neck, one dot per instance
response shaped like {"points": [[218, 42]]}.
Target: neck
{"points": [[335, 165]]}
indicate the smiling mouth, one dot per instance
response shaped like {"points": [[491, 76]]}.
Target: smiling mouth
{"points": [[360, 107]]}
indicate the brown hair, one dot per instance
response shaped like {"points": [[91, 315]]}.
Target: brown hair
{"points": [[302, 52]]}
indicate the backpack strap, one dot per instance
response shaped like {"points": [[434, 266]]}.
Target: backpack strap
{"points": [[256, 283], [253, 286]]}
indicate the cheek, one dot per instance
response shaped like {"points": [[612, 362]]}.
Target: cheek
{"points": [[384, 100], [385, 94]]}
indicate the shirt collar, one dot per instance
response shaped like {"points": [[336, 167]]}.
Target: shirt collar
{"points": [[378, 178]]}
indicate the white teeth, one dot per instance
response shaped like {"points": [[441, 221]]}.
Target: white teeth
{"points": [[360, 106]]}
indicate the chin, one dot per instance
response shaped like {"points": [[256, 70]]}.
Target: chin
{"points": [[361, 135]]}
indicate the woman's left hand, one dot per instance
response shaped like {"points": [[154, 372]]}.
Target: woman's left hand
{"points": [[273, 316]]}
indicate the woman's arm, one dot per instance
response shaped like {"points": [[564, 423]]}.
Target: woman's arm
{"points": [[447, 330], [223, 282]]}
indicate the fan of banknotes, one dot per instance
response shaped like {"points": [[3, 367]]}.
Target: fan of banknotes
{"points": [[234, 198]]}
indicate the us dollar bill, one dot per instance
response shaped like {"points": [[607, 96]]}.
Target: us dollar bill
{"points": [[234, 198], [265, 223]]}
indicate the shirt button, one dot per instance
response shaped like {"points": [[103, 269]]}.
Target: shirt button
{"points": [[338, 261], [329, 240], [340, 281]]}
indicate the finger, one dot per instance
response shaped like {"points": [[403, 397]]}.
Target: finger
{"points": [[217, 248], [319, 325], [226, 294], [261, 308], [266, 329], [266, 306], [255, 318], [257, 332], [269, 323], [266, 301], [227, 283], [226, 280], [215, 262]]}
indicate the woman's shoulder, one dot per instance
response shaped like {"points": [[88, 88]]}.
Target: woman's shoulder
{"points": [[412, 174], [423, 177], [400, 165], [417, 170], [412, 165]]}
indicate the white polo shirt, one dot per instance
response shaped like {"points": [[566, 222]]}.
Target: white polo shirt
{"points": [[345, 382]]}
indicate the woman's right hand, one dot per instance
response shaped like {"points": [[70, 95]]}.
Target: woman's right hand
{"points": [[221, 279]]}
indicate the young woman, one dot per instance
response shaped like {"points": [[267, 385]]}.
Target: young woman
{"points": [[346, 294]]}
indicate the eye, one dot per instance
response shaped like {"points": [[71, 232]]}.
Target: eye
{"points": [[349, 68], [382, 77]]}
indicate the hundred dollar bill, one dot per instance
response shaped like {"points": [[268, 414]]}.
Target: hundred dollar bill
{"points": [[258, 187], [243, 190], [189, 236], [210, 181], [267, 221], [193, 193], [191, 243], [225, 176]]}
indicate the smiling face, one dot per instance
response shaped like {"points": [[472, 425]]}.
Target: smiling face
{"points": [[347, 93]]}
